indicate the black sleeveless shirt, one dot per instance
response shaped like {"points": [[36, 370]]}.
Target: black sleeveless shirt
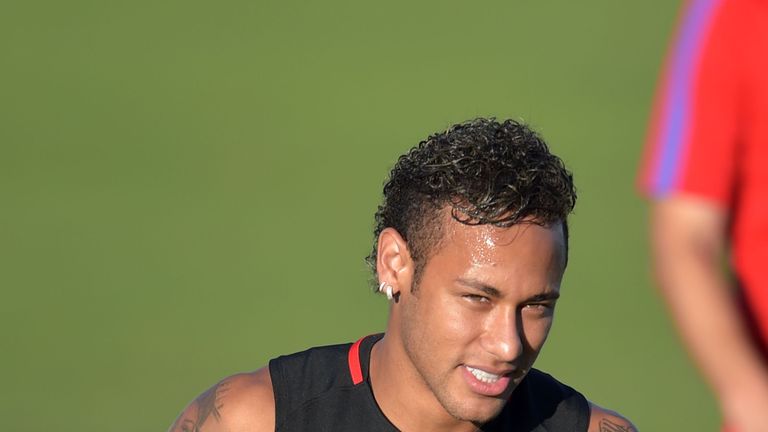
{"points": [[327, 389]]}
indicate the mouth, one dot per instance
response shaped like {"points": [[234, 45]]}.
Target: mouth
{"points": [[485, 382], [484, 376]]}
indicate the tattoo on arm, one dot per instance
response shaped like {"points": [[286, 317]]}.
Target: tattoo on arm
{"points": [[207, 404], [609, 426]]}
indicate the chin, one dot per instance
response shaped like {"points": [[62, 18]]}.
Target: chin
{"points": [[479, 412]]}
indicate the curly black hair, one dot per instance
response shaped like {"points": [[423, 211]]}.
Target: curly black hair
{"points": [[486, 172]]}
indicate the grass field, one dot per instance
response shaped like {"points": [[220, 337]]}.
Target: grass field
{"points": [[188, 189]]}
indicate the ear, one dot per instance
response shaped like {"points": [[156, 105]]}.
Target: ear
{"points": [[393, 261]]}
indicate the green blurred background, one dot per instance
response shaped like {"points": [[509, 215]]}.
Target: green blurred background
{"points": [[188, 189]]}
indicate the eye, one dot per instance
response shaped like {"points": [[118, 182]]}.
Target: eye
{"points": [[475, 298], [540, 308]]}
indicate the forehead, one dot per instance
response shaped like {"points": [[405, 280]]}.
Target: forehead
{"points": [[525, 253], [480, 241]]}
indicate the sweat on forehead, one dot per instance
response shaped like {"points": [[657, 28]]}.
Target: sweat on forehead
{"points": [[481, 238]]}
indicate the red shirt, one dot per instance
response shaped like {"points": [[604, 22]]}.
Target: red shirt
{"points": [[709, 130]]}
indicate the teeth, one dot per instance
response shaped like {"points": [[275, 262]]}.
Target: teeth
{"points": [[483, 376]]}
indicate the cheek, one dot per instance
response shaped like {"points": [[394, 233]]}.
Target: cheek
{"points": [[460, 321], [535, 331], [446, 320]]}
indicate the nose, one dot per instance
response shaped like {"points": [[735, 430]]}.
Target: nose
{"points": [[503, 335]]}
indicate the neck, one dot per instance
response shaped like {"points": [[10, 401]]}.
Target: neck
{"points": [[402, 394]]}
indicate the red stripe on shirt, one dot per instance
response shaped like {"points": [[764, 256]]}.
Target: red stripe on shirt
{"points": [[354, 362]]}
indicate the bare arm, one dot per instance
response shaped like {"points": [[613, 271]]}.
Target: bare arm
{"points": [[688, 237], [604, 420], [239, 403]]}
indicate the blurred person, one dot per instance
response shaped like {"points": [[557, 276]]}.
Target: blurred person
{"points": [[706, 171], [470, 246]]}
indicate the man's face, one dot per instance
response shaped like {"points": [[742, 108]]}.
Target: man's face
{"points": [[476, 322]]}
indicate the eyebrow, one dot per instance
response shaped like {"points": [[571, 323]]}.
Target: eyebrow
{"points": [[485, 288], [552, 295], [494, 292]]}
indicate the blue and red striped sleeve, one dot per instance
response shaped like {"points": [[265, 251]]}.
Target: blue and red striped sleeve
{"points": [[692, 139]]}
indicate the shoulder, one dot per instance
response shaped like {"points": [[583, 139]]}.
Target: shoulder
{"points": [[309, 372], [605, 420], [542, 401], [544, 388], [560, 407], [242, 402]]}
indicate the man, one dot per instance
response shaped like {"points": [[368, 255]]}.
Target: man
{"points": [[470, 246], [706, 173]]}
